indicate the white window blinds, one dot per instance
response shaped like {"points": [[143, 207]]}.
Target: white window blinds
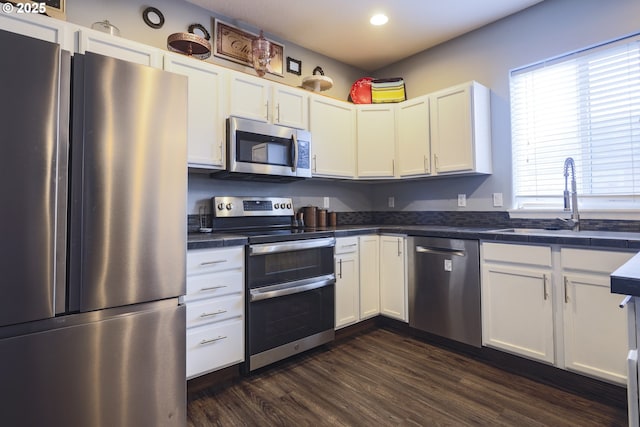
{"points": [[586, 106]]}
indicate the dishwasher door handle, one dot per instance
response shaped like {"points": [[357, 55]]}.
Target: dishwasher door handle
{"points": [[439, 251]]}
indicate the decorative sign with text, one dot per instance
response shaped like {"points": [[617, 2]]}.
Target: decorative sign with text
{"points": [[234, 44]]}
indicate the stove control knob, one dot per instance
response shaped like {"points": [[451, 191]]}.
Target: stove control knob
{"points": [[229, 206], [288, 205], [220, 206], [276, 206]]}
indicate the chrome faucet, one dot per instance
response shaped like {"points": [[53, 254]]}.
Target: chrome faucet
{"points": [[571, 203]]}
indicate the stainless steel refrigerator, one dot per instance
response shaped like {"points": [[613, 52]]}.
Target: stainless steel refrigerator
{"points": [[93, 182]]}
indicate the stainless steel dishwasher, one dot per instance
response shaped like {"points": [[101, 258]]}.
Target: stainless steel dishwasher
{"points": [[444, 288]]}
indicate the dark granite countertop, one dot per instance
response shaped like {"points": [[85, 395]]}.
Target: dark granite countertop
{"points": [[609, 239], [626, 279]]}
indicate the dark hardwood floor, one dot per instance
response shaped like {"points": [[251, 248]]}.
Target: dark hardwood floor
{"points": [[385, 378]]}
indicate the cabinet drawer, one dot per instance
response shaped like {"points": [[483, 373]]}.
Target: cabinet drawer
{"points": [[604, 262], [214, 310], [345, 245], [214, 285], [214, 346], [200, 261], [518, 254]]}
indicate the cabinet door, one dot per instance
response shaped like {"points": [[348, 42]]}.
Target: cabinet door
{"points": [[376, 141], [347, 289], [249, 97], [393, 278], [517, 311], [414, 150], [205, 119], [595, 328], [291, 107], [117, 47], [369, 260], [332, 125], [39, 27], [452, 130]]}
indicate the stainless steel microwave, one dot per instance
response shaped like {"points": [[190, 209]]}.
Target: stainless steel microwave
{"points": [[261, 150]]}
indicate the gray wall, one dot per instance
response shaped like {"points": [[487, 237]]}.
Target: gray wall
{"points": [[544, 30], [179, 14], [343, 196]]}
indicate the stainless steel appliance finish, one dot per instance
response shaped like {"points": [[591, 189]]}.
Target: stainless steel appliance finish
{"points": [[263, 151], [33, 181], [291, 292], [115, 367], [90, 322], [290, 278], [444, 288], [129, 193]]}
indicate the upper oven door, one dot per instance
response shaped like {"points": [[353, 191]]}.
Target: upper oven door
{"points": [[261, 148], [276, 263]]}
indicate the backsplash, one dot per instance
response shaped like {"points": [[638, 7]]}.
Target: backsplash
{"points": [[491, 219]]}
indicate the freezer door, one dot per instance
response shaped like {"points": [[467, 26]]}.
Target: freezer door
{"points": [[121, 367], [129, 183], [32, 180]]}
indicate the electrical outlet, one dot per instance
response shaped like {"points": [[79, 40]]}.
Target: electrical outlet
{"points": [[392, 202], [462, 200], [497, 199], [325, 202]]}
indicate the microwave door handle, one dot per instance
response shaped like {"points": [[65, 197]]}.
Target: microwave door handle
{"points": [[294, 143]]}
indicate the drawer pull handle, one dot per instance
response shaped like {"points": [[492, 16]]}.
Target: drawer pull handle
{"points": [[207, 263], [544, 290], [209, 341], [349, 246], [213, 313], [212, 288]]}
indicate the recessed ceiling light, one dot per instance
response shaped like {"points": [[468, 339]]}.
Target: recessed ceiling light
{"points": [[379, 19]]}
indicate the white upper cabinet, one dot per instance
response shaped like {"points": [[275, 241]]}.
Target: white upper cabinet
{"points": [[376, 140], [413, 138], [206, 118], [248, 96], [333, 132], [255, 98], [39, 27], [291, 107], [117, 47], [461, 129]]}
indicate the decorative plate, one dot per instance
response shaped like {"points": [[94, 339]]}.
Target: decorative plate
{"points": [[361, 91]]}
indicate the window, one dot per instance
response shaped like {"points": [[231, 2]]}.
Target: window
{"points": [[585, 105]]}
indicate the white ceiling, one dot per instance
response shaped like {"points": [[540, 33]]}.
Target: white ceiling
{"points": [[340, 29]]}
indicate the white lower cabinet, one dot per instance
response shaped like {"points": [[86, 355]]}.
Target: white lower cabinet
{"points": [[517, 307], [369, 260], [215, 309], [595, 327], [347, 282], [393, 277], [553, 304]]}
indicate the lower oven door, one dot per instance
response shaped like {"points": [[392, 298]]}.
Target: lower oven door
{"points": [[286, 319]]}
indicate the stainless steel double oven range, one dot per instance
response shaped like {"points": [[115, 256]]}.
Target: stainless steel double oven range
{"points": [[289, 278]]}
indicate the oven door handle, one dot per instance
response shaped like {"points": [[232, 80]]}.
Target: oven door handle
{"points": [[272, 248], [290, 288]]}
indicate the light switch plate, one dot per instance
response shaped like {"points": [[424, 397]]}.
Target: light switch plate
{"points": [[462, 200], [497, 199], [325, 203], [392, 202]]}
